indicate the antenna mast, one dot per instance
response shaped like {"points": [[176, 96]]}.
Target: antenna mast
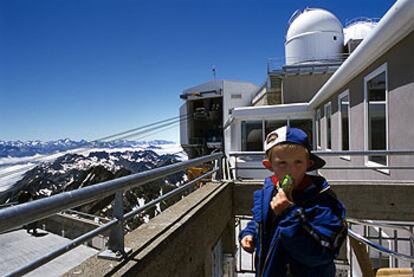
{"points": [[213, 68]]}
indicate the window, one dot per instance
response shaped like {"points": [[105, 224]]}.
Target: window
{"points": [[328, 126], [271, 125], [236, 96], [376, 114], [305, 125], [344, 122], [318, 129], [254, 132], [252, 136]]}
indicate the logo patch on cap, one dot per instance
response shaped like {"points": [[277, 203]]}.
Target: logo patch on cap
{"points": [[287, 134]]}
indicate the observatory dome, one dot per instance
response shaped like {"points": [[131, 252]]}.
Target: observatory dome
{"points": [[314, 36], [358, 29]]}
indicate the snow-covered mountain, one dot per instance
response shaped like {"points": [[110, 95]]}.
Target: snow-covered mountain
{"points": [[71, 171], [30, 148], [13, 169]]}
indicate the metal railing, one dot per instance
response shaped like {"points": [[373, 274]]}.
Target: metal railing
{"points": [[9, 204], [311, 64], [261, 154], [16, 216], [245, 262], [378, 247], [363, 246], [362, 20]]}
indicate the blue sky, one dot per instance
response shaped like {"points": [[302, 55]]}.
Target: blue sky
{"points": [[84, 69]]}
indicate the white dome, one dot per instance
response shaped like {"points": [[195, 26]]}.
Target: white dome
{"points": [[314, 36], [359, 29], [314, 20]]}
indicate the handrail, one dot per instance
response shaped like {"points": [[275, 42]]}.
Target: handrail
{"points": [[16, 216], [361, 19], [237, 154], [375, 223], [85, 215], [2, 206], [379, 247], [335, 153], [87, 236]]}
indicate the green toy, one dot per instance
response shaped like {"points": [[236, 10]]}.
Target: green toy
{"points": [[287, 186]]}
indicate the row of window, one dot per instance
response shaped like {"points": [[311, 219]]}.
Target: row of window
{"points": [[375, 117], [375, 121], [255, 132]]}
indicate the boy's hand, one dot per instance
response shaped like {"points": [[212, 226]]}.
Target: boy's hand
{"points": [[280, 202], [247, 243]]}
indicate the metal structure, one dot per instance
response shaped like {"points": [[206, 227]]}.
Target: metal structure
{"points": [[235, 168], [16, 216], [245, 263]]}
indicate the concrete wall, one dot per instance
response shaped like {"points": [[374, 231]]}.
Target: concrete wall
{"points": [[362, 200], [274, 91], [179, 241], [71, 227], [243, 89], [301, 88], [400, 67]]}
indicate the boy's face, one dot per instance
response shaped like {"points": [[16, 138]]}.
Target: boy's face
{"points": [[294, 161]]}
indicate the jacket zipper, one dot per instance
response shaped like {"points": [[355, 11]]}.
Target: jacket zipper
{"points": [[261, 238], [270, 250], [261, 249], [268, 255]]}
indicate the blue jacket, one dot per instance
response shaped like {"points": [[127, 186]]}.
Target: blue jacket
{"points": [[306, 237]]}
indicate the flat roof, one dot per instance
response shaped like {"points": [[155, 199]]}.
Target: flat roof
{"points": [[295, 110], [18, 248]]}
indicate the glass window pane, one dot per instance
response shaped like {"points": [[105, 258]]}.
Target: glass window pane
{"points": [[252, 138], [305, 125], [272, 125], [377, 139], [377, 130], [318, 127], [376, 88], [328, 127], [345, 122]]}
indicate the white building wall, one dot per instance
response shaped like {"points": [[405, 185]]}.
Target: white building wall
{"points": [[400, 102]]}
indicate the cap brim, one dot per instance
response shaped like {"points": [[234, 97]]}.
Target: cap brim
{"points": [[317, 162]]}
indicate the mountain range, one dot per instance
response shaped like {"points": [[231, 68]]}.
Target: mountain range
{"points": [[75, 170], [30, 148]]}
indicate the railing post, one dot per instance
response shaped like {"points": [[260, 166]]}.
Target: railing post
{"points": [[220, 169], [362, 256], [235, 168], [116, 248], [116, 238]]}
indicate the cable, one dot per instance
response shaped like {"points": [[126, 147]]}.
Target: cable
{"points": [[158, 131], [136, 129], [153, 128], [45, 158], [183, 117]]}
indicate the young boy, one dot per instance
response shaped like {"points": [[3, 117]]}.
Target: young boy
{"points": [[297, 230]]}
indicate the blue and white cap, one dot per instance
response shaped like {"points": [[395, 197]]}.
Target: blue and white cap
{"points": [[287, 134]]}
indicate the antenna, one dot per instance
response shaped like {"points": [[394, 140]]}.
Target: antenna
{"points": [[213, 68]]}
